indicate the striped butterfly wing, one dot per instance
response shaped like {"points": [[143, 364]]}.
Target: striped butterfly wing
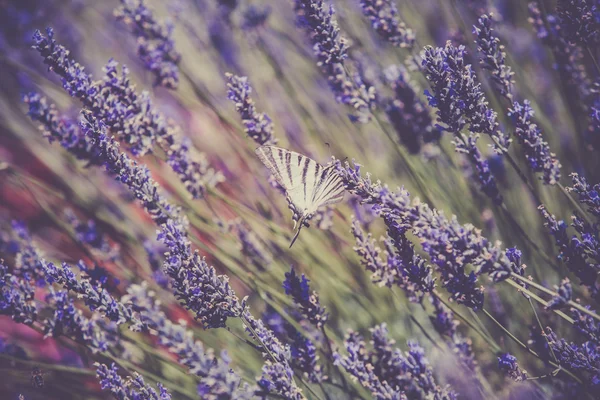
{"points": [[329, 189]]}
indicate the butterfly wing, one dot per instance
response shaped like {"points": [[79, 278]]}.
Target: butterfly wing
{"points": [[296, 173], [329, 189]]}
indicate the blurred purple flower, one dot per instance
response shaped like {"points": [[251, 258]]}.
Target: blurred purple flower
{"points": [[89, 235], [257, 125], [255, 17], [563, 297], [252, 247], [68, 320], [57, 127], [446, 325], [331, 49], [492, 56], [537, 151], [407, 113], [567, 56], [16, 297], [130, 388], [580, 20], [384, 17], [508, 364], [155, 45], [297, 287]]}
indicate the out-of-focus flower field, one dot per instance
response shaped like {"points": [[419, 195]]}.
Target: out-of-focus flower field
{"points": [[145, 247]]}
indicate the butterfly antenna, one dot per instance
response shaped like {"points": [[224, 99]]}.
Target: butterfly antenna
{"points": [[297, 233]]}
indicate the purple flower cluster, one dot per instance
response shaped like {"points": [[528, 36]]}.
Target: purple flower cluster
{"points": [[154, 39], [402, 266], [129, 115], [579, 358], [331, 49], [492, 56], [458, 96], [88, 234], [217, 379], [297, 287], [387, 372], [200, 289], [384, 18], [95, 296], [277, 374], [257, 125], [59, 128], [508, 364], [407, 113], [580, 254], [252, 247], [589, 195], [130, 388], [563, 297], [459, 100], [450, 245], [68, 320], [580, 20], [16, 297], [537, 151]]}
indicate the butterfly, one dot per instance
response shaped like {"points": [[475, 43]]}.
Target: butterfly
{"points": [[308, 184]]}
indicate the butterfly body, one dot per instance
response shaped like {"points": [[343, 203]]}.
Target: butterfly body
{"points": [[308, 184]]}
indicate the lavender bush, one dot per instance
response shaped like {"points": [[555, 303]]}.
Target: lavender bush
{"points": [[144, 248]]}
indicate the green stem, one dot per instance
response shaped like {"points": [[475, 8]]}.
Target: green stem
{"points": [[571, 303]]}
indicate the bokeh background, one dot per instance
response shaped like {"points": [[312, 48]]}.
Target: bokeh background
{"points": [[75, 211]]}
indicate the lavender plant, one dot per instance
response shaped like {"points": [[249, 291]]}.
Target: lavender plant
{"points": [[154, 277]]}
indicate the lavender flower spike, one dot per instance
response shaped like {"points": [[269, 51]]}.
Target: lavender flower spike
{"points": [[586, 193], [130, 388], [458, 95], [331, 49], [16, 297], [383, 15], [492, 56], [297, 287], [257, 125], [508, 363], [155, 43], [537, 151]]}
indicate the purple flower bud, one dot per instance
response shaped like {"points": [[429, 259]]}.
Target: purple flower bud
{"points": [[257, 125], [508, 364], [298, 289], [130, 388], [537, 151], [156, 47], [564, 296], [492, 56], [385, 20]]}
